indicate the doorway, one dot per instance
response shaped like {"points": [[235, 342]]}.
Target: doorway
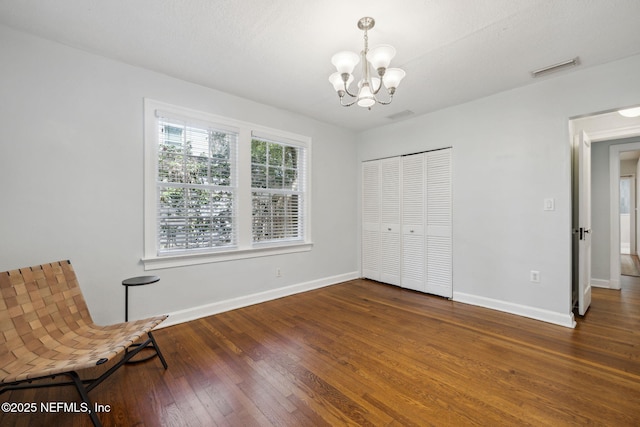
{"points": [[607, 131], [624, 164], [628, 210]]}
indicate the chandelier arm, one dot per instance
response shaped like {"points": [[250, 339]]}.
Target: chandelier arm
{"points": [[346, 90], [349, 104], [385, 103], [375, 92]]}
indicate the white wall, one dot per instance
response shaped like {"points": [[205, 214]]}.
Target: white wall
{"points": [[511, 151], [71, 158]]}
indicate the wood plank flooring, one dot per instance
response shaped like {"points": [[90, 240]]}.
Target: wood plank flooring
{"points": [[629, 265], [364, 353]]}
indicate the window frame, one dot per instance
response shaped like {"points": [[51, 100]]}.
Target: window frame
{"points": [[245, 247], [189, 126], [301, 192]]}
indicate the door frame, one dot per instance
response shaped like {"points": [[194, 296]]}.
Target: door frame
{"points": [[614, 168], [614, 208]]}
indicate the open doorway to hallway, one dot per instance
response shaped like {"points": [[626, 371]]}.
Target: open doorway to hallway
{"points": [[628, 208], [610, 135]]}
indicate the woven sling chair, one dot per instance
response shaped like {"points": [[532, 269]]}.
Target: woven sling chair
{"points": [[46, 331]]}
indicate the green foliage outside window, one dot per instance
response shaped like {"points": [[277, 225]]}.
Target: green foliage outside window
{"points": [[276, 204], [196, 196]]}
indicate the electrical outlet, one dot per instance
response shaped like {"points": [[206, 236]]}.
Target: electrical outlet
{"points": [[278, 272], [535, 276]]}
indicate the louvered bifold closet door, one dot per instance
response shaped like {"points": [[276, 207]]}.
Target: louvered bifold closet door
{"points": [[390, 246], [371, 220], [413, 218], [439, 219]]}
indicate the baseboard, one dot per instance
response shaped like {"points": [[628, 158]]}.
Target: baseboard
{"points": [[186, 315], [614, 283], [562, 319], [601, 283]]}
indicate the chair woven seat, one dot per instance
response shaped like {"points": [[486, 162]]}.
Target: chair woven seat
{"points": [[62, 351], [46, 328]]}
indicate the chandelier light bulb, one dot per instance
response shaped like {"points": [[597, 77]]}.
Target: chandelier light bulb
{"points": [[365, 96]]}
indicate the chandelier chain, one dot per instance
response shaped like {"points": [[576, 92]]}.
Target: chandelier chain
{"points": [[366, 41]]}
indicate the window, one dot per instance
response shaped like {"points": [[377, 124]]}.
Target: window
{"points": [[276, 191], [196, 186], [219, 189]]}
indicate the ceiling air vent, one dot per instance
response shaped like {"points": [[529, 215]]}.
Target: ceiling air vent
{"points": [[556, 67], [400, 115]]}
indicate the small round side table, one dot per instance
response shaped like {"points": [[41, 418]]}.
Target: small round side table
{"points": [[135, 281]]}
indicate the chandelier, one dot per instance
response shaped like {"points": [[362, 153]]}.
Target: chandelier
{"points": [[377, 59]]}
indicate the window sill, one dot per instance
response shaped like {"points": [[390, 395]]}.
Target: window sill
{"points": [[182, 260]]}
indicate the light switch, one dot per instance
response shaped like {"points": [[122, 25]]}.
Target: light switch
{"points": [[549, 204]]}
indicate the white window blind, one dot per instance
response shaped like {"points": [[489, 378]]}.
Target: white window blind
{"points": [[196, 186], [278, 184]]}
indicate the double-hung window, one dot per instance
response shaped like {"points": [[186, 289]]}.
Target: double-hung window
{"points": [[219, 189], [277, 191], [196, 186]]}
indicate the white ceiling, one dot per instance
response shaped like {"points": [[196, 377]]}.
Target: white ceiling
{"points": [[278, 51]]}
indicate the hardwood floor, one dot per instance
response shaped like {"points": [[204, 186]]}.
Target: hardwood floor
{"points": [[364, 353], [629, 265]]}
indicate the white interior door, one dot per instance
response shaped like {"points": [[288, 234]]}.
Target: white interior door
{"points": [[371, 220], [584, 222], [439, 220], [413, 218], [390, 246]]}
